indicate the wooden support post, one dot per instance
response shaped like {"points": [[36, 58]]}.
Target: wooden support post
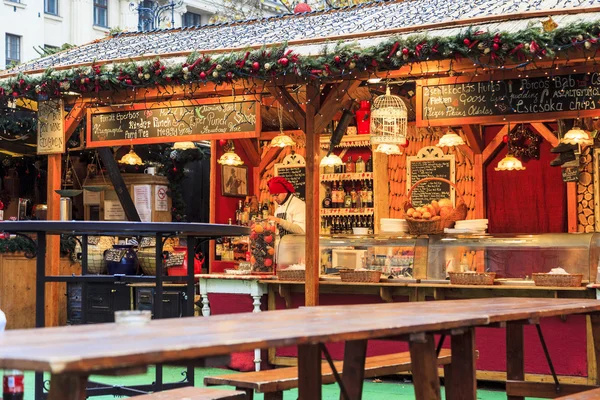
{"points": [[67, 387], [309, 371], [515, 362], [313, 259], [118, 183], [424, 368], [595, 328], [479, 184], [355, 352], [53, 241], [462, 384], [572, 221], [213, 199]]}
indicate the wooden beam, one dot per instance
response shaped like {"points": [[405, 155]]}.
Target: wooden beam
{"points": [[544, 390], [272, 153], [117, 180], [492, 148], [474, 138], [74, 118], [479, 186], [53, 241], [312, 252], [333, 103], [545, 133], [250, 147], [288, 103]]}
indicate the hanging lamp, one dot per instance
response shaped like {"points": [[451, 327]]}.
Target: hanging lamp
{"points": [[576, 135], [331, 160], [510, 163], [389, 149], [184, 146], [131, 158], [389, 118], [450, 139], [229, 157], [282, 140]]}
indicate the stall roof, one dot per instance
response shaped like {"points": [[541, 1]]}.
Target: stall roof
{"points": [[308, 32]]}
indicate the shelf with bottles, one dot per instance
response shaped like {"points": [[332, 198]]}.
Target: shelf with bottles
{"points": [[350, 166], [356, 176], [343, 224], [346, 211], [347, 195], [348, 140], [249, 209]]}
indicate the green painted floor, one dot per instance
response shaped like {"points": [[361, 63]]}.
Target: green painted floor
{"points": [[387, 388]]}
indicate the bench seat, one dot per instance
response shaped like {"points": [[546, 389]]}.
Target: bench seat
{"points": [[275, 381], [195, 393], [587, 395]]}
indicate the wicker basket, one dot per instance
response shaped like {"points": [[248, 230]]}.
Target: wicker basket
{"points": [[95, 259], [571, 280], [434, 226], [360, 276], [472, 278], [291, 274]]}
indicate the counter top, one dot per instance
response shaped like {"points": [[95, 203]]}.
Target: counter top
{"points": [[237, 277]]}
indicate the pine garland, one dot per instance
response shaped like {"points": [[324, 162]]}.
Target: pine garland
{"points": [[483, 47], [19, 244]]}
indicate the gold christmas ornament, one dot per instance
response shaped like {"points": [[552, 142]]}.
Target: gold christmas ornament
{"points": [[549, 25]]}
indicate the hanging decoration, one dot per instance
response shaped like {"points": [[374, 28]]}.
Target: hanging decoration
{"points": [[184, 146], [576, 135], [510, 163], [524, 143], [282, 140], [131, 158], [389, 118], [230, 157], [484, 48], [450, 139]]}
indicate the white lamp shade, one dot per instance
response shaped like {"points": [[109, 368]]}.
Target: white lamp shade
{"points": [[282, 140], [184, 146], [131, 158], [230, 158], [331, 160], [510, 163], [450, 139], [576, 135], [389, 149]]}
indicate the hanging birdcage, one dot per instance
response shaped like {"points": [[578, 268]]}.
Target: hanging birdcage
{"points": [[389, 118]]}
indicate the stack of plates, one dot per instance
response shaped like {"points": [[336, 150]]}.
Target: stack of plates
{"points": [[477, 226], [390, 225]]}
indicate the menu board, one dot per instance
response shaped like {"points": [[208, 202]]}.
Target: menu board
{"points": [[469, 101], [570, 174], [296, 175], [51, 138], [190, 122], [432, 165]]}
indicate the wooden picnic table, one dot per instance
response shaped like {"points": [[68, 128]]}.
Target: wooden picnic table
{"points": [[72, 353]]}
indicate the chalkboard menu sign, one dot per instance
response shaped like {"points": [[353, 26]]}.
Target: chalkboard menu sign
{"points": [[430, 162], [470, 100], [570, 174], [186, 120], [296, 175]]}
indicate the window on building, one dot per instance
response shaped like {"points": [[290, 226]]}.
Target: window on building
{"points": [[13, 49], [191, 19], [51, 7], [145, 20], [101, 13]]}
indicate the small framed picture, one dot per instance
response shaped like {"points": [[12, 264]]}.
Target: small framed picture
{"points": [[234, 181]]}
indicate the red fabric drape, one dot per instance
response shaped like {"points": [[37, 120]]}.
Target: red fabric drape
{"points": [[530, 201]]}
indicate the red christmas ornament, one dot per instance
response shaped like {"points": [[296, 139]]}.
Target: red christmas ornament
{"points": [[229, 75], [337, 59], [302, 8], [87, 80], [256, 65], [405, 145], [495, 46], [405, 51], [174, 169], [203, 75], [128, 81], [222, 142], [284, 61], [467, 42], [15, 94], [505, 138]]}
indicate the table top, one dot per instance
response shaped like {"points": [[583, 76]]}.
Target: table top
{"points": [[89, 348], [126, 228]]}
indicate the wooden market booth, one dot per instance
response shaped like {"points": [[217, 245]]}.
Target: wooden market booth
{"points": [[457, 76]]}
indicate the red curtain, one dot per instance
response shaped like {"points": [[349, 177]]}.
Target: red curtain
{"points": [[530, 201]]}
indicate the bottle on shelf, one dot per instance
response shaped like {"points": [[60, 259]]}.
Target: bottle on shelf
{"points": [[339, 195], [369, 165], [265, 210], [359, 166], [219, 249], [354, 197], [362, 194], [327, 200], [369, 194], [350, 166], [238, 213], [347, 200]]}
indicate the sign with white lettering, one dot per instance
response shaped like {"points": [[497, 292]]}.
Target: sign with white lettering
{"points": [[51, 137], [191, 120], [475, 100]]}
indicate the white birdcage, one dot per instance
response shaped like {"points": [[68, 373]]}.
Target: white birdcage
{"points": [[388, 120]]}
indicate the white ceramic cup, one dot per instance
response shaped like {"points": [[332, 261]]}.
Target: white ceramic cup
{"points": [[150, 171]]}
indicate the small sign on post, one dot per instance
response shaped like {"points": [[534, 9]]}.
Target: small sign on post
{"points": [[51, 135], [570, 174]]}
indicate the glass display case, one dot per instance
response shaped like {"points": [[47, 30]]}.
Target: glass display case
{"points": [[511, 256]]}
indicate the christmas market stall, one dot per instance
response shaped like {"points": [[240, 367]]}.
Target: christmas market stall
{"points": [[443, 150]]}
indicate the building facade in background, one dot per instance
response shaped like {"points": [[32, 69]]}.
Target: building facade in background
{"points": [[27, 25]]}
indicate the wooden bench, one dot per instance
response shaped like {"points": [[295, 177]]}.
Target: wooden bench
{"points": [[195, 393], [587, 395], [273, 382]]}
